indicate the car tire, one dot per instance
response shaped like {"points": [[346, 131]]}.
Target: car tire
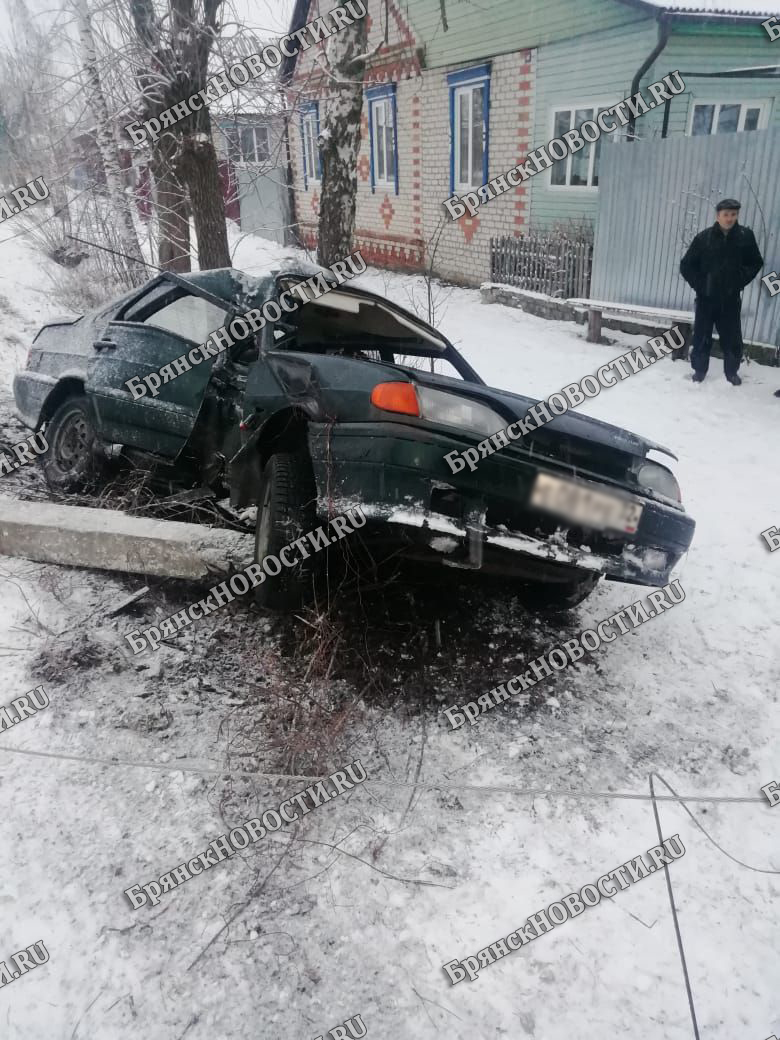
{"points": [[74, 459], [286, 510], [548, 597]]}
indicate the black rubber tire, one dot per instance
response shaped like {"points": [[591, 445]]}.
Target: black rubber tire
{"points": [[549, 597], [286, 510], [74, 459]]}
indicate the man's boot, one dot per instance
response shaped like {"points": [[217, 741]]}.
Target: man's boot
{"points": [[734, 380]]}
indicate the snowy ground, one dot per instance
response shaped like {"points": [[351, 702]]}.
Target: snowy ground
{"points": [[354, 910]]}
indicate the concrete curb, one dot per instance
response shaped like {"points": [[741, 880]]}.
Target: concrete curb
{"points": [[106, 539]]}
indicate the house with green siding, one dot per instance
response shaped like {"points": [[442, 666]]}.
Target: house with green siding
{"points": [[459, 93], [726, 61]]}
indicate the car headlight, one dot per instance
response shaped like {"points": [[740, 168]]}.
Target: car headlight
{"points": [[453, 410], [660, 480]]}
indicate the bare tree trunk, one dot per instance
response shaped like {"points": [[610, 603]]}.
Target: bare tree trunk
{"points": [[175, 60], [173, 248], [109, 149], [169, 199], [200, 169], [340, 138]]}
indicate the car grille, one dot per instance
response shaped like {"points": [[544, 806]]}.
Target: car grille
{"points": [[580, 456]]}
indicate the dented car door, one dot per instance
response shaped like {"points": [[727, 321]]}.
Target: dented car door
{"points": [[164, 324]]}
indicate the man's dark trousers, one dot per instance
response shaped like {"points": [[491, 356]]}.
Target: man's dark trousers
{"points": [[726, 315]]}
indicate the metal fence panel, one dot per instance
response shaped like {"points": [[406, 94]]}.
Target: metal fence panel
{"points": [[654, 196]]}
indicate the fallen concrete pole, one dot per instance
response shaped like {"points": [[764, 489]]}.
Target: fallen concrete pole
{"points": [[110, 540]]}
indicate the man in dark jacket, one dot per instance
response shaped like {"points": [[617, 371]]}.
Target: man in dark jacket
{"points": [[719, 263]]}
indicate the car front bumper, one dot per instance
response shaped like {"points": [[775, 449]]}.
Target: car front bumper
{"points": [[482, 519]]}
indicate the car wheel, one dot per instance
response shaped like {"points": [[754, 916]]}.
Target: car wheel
{"points": [[551, 596], [286, 510], [74, 458]]}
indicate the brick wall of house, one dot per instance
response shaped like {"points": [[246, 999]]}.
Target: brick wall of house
{"points": [[388, 226], [463, 251], [398, 231]]}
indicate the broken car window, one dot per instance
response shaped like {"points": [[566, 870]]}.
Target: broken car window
{"points": [[190, 317]]}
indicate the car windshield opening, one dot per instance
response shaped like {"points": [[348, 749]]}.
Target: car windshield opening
{"points": [[350, 324]]}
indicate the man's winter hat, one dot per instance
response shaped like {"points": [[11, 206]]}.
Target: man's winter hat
{"points": [[728, 204]]}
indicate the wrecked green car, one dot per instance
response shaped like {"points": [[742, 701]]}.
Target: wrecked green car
{"points": [[346, 399]]}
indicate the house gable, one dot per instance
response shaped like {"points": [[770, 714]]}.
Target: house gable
{"points": [[396, 58]]}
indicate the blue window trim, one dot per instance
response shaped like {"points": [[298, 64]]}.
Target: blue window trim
{"points": [[477, 75], [387, 90], [307, 109], [457, 79]]}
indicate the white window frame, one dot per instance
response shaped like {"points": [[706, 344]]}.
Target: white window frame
{"points": [[459, 90], [234, 149], [309, 124], [255, 128], [563, 106], [763, 104], [389, 178]]}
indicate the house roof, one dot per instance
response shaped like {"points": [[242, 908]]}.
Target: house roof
{"points": [[727, 12], [297, 21], [747, 72], [717, 8]]}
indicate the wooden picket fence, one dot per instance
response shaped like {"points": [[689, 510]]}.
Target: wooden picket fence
{"points": [[555, 263]]}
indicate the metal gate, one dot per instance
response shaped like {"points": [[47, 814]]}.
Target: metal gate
{"points": [[264, 202], [654, 196]]}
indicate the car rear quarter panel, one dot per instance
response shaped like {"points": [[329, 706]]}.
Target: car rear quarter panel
{"points": [[57, 366]]}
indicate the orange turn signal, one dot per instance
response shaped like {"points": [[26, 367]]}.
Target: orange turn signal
{"points": [[396, 397]]}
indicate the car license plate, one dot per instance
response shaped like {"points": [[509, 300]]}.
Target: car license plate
{"points": [[584, 505]]}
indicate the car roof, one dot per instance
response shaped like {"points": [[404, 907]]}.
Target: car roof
{"points": [[230, 284], [235, 286]]}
